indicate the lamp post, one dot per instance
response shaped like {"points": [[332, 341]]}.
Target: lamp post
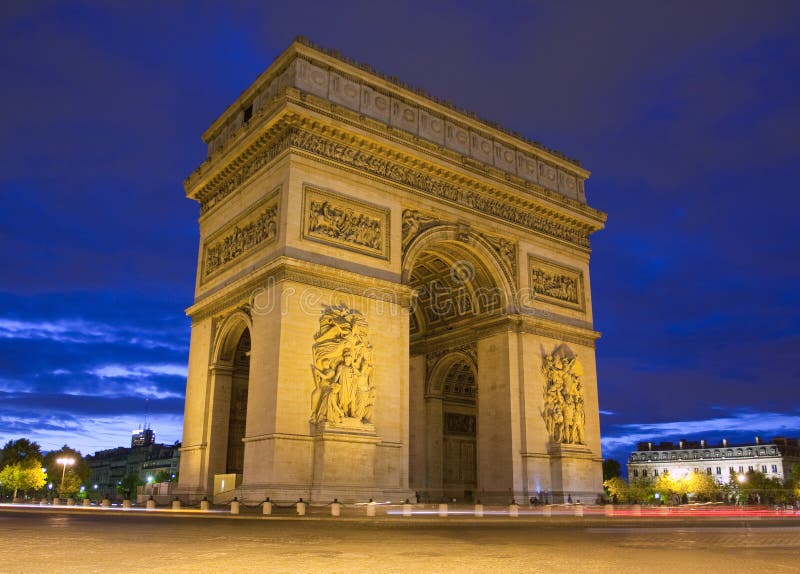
{"points": [[64, 461]]}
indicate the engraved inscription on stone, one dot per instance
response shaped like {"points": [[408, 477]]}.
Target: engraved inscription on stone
{"points": [[347, 223], [257, 227], [556, 284]]}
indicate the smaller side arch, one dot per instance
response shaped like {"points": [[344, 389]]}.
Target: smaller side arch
{"points": [[438, 373], [228, 335]]}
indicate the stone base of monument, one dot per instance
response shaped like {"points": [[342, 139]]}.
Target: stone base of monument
{"points": [[573, 472], [344, 461]]}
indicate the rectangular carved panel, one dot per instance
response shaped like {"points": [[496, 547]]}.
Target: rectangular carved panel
{"points": [[345, 222], [556, 284], [460, 424], [255, 228]]}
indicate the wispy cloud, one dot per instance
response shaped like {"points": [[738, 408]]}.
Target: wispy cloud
{"points": [[139, 371], [627, 435], [87, 434], [79, 331]]}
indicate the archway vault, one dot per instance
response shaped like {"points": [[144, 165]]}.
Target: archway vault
{"points": [[456, 276]]}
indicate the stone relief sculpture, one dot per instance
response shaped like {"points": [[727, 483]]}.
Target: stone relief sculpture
{"points": [[242, 239], [344, 224], [342, 368], [507, 250], [563, 413], [557, 286], [413, 223]]}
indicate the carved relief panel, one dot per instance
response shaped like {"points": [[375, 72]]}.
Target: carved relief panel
{"points": [[556, 284], [345, 222], [254, 229]]}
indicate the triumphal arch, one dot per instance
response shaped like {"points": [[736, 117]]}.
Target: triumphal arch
{"points": [[392, 299]]}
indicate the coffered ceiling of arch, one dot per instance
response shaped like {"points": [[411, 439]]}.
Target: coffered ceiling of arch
{"points": [[451, 285]]}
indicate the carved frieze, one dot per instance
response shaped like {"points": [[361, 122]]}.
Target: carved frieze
{"points": [[219, 188], [516, 213], [563, 411], [345, 222], [256, 228], [465, 198], [556, 284]]}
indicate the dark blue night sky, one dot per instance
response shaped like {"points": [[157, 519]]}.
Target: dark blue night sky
{"points": [[687, 113]]}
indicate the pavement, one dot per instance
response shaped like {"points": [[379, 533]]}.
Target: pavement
{"points": [[63, 539]]}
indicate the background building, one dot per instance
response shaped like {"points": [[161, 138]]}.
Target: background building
{"points": [[773, 459], [144, 459]]}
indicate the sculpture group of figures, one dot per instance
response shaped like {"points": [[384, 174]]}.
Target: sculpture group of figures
{"points": [[343, 368], [555, 285], [563, 413], [344, 225], [242, 239]]}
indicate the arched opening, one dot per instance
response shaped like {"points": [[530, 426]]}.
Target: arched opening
{"points": [[459, 287], [237, 413], [459, 432], [230, 385]]}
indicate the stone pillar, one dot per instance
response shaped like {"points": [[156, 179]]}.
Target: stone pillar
{"points": [[498, 440]]}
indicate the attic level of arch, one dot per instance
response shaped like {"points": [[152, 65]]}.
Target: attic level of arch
{"points": [[293, 132], [374, 99]]}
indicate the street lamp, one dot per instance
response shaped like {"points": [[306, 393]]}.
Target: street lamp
{"points": [[741, 478], [64, 461]]}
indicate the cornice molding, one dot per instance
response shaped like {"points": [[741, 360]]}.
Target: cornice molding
{"points": [[481, 328], [283, 269]]}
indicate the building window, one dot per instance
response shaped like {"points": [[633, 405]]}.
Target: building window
{"points": [[708, 470], [741, 468], [635, 473], [719, 470], [248, 113], [774, 468], [750, 468], [730, 469], [644, 472], [764, 468], [655, 472]]}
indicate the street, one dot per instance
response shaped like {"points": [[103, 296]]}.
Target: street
{"points": [[65, 540]]}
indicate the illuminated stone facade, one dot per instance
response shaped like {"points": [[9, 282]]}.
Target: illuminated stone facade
{"points": [[389, 292], [774, 459]]}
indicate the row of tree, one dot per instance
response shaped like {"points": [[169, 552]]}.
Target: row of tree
{"points": [[23, 467], [750, 488]]}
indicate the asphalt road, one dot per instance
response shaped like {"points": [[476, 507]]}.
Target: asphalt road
{"points": [[72, 541]]}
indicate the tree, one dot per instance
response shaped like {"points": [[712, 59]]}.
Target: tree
{"points": [[20, 450], [129, 484], [611, 468], [74, 475], [793, 481], [23, 475], [703, 486], [617, 489]]}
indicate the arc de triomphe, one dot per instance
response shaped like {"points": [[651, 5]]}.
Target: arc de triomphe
{"points": [[392, 297]]}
